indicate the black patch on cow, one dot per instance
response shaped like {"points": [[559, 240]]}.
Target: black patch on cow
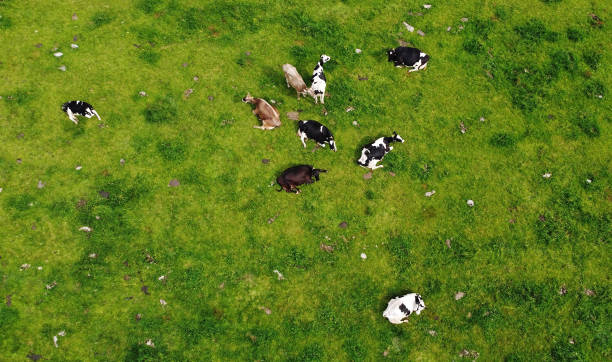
{"points": [[77, 107], [406, 56], [404, 310]]}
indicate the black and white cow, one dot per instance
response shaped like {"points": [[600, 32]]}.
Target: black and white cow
{"points": [[400, 308], [408, 57], [74, 108], [315, 131], [374, 152], [318, 80]]}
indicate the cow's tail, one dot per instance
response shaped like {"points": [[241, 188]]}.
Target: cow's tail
{"points": [[316, 171]]}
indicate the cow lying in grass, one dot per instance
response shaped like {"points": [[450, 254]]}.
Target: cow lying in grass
{"points": [[374, 152], [408, 57], [294, 79], [269, 116], [295, 176], [317, 132], [80, 108], [400, 308]]}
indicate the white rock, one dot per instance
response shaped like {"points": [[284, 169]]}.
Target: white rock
{"points": [[62, 333], [150, 343], [459, 295], [421, 32], [1, 189], [163, 277], [58, 54], [39, 268], [73, 46], [588, 181], [62, 68], [25, 266], [547, 175], [430, 193], [470, 203], [363, 256], [408, 26], [272, 101], [142, 93], [85, 228], [358, 51], [78, 168], [448, 29], [162, 302], [465, 20], [427, 6], [55, 341]]}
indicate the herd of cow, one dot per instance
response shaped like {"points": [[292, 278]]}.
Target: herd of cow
{"points": [[399, 308]]}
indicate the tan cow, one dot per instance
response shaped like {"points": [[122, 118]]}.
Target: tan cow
{"points": [[294, 79], [269, 116]]}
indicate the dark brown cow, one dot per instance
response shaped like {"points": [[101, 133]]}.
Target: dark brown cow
{"points": [[295, 176]]}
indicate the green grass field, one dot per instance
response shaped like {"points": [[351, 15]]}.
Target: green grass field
{"points": [[528, 79]]}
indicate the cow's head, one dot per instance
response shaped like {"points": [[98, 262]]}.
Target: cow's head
{"points": [[391, 54], [325, 58], [418, 303], [248, 98], [332, 144], [424, 58], [397, 138]]}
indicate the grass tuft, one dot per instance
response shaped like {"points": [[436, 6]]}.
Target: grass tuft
{"points": [[163, 110]]}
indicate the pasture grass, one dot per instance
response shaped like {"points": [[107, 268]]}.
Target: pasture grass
{"points": [[528, 79]]}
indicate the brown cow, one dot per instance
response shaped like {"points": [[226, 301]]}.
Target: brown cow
{"points": [[296, 176], [269, 116], [294, 79]]}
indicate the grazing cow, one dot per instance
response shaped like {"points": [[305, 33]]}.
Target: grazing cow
{"points": [[80, 108], [318, 80], [400, 308], [269, 116], [408, 57], [374, 152], [295, 176], [317, 132], [294, 79]]}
